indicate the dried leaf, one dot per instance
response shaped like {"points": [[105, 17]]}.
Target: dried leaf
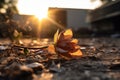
{"points": [[16, 33], [26, 51], [56, 37], [51, 49], [17, 36]]}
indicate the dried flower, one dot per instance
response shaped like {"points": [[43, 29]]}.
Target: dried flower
{"points": [[65, 46]]}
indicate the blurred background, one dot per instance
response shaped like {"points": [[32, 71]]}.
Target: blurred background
{"points": [[37, 18]]}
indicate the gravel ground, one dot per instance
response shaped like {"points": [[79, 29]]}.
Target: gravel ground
{"points": [[100, 61]]}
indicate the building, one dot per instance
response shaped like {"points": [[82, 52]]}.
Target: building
{"points": [[105, 19]]}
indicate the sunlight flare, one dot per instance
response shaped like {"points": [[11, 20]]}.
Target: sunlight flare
{"points": [[31, 7]]}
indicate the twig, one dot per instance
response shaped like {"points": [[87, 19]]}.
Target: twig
{"points": [[42, 47]]}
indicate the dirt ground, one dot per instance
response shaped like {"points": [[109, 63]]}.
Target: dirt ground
{"points": [[100, 61]]}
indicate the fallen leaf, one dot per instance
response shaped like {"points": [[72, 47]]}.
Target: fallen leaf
{"points": [[51, 49], [56, 37], [26, 51]]}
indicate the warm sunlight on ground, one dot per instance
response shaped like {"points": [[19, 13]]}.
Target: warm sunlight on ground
{"points": [[40, 8]]}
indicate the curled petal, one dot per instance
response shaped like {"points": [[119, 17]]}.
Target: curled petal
{"points": [[66, 35], [74, 41], [77, 53], [68, 56]]}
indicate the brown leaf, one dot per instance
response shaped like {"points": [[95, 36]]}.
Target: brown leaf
{"points": [[51, 49]]}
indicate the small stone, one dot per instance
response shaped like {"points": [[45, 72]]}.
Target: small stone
{"points": [[87, 73], [4, 62], [18, 73], [36, 66], [95, 78]]}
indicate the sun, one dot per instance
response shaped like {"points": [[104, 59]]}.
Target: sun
{"points": [[31, 7], [42, 14]]}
